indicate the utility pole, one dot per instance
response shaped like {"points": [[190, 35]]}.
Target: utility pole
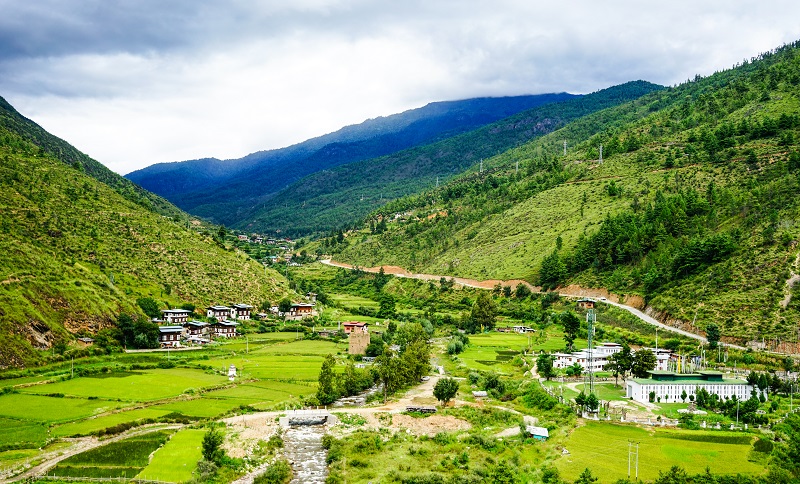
{"points": [[516, 168], [591, 318], [565, 147], [601, 154], [437, 182], [481, 165]]}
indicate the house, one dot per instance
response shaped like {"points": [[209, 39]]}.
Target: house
{"points": [[224, 329], [504, 329], [220, 312], [300, 311], [175, 316], [585, 303], [523, 329], [84, 342], [311, 296], [241, 311], [170, 336], [599, 357], [197, 340], [538, 433], [355, 326], [242, 237], [480, 394], [195, 328], [668, 386]]}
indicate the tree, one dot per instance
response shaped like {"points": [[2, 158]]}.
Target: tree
{"points": [[212, 446], [552, 271], [388, 372], [620, 363], [586, 477], [580, 401], [544, 366], [592, 402], [644, 361], [415, 360], [326, 391], [445, 389], [572, 324], [387, 306], [483, 313], [149, 306], [713, 335], [285, 305]]}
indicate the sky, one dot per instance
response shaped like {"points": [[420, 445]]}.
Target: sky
{"points": [[138, 82]]}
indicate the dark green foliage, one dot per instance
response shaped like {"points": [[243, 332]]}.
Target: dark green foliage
{"points": [[544, 366], [279, 472], [572, 324], [585, 477], [712, 335], [644, 361], [212, 446], [483, 314], [445, 389], [326, 391], [552, 272]]}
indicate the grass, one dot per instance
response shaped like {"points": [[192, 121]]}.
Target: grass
{"points": [[139, 386], [19, 432], [51, 409], [88, 426], [603, 448], [177, 459]]}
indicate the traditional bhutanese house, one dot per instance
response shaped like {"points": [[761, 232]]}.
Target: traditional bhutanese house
{"points": [[300, 311], [523, 329], [357, 342], [504, 329], [538, 433], [355, 326], [585, 303], [669, 386], [175, 316], [85, 342], [241, 311], [219, 312], [170, 336], [195, 328], [224, 329]]}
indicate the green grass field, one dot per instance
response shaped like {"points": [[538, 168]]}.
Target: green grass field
{"points": [[40, 408], [86, 427], [133, 386], [177, 459], [603, 448], [22, 432]]}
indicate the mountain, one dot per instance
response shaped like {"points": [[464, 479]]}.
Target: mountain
{"points": [[341, 196], [81, 244], [220, 189], [693, 208]]}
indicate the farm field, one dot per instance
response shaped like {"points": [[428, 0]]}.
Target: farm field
{"points": [[39, 408], [272, 366], [86, 427], [177, 459], [15, 432], [124, 458], [132, 386], [603, 448]]}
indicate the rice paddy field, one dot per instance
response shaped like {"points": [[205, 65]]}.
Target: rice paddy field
{"points": [[177, 459], [603, 448]]}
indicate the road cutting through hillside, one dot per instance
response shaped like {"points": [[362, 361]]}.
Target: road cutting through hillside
{"points": [[602, 295]]}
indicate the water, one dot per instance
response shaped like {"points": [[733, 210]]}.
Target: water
{"points": [[302, 446]]}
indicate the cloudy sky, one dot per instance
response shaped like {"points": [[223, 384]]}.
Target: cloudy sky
{"points": [[138, 82]]}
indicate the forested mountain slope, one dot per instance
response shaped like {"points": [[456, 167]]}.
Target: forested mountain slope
{"points": [[221, 189], [76, 252], [694, 206], [339, 197]]}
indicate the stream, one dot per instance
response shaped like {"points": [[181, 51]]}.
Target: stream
{"points": [[303, 448]]}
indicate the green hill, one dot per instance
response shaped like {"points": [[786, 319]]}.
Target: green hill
{"points": [[693, 208], [339, 197], [80, 244]]}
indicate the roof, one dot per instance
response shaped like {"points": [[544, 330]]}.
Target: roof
{"points": [[199, 324], [302, 305], [660, 377], [170, 329], [226, 323], [243, 306], [537, 431], [585, 299], [175, 311], [86, 340], [219, 308], [354, 323]]}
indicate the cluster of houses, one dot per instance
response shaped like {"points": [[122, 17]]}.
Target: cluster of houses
{"points": [[176, 328], [600, 355]]}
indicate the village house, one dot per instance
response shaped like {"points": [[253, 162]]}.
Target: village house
{"points": [[219, 312], [242, 237], [224, 329], [523, 329], [538, 433], [668, 386], [175, 316], [299, 311], [195, 328], [585, 303], [355, 326], [170, 336], [241, 311]]}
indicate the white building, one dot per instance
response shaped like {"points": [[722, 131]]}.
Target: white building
{"points": [[220, 312], [600, 354], [669, 386], [175, 316]]}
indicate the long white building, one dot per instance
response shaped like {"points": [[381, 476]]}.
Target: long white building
{"points": [[600, 355], [669, 386]]}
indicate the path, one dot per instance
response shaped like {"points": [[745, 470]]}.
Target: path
{"points": [[81, 444], [489, 284]]}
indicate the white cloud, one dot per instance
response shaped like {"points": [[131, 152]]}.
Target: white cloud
{"points": [[138, 83]]}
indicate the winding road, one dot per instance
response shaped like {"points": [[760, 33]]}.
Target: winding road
{"points": [[489, 284]]}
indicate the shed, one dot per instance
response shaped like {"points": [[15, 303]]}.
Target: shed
{"points": [[538, 433]]}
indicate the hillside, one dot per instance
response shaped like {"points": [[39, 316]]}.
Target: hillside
{"points": [[693, 206], [339, 197], [76, 252], [220, 190]]}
